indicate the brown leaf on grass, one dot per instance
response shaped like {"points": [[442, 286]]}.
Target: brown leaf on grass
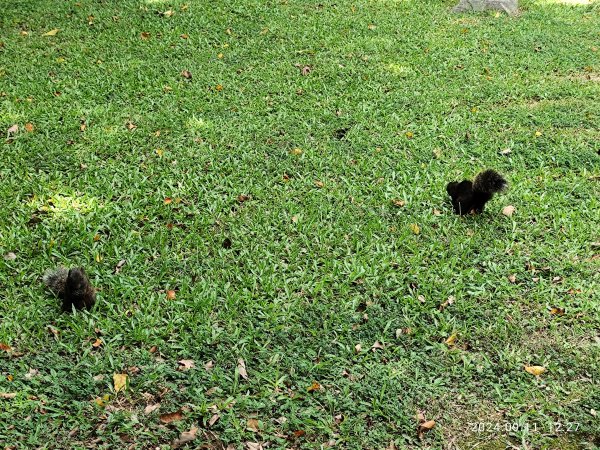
{"points": [[186, 74], [7, 395], [319, 184], [97, 343], [185, 364], [120, 381], [184, 36], [151, 408], [508, 211], [555, 311], [512, 278], [219, 87], [399, 203], [29, 127], [506, 151], [314, 387], [51, 32], [425, 427], [53, 331], [241, 366], [253, 446], [131, 126], [535, 370], [171, 295], [168, 200], [153, 349], [119, 266], [5, 347], [252, 425], [447, 303], [171, 417], [391, 446], [377, 346], [186, 436], [145, 35], [243, 198], [82, 125], [415, 228], [437, 212], [13, 129], [10, 256], [358, 348], [208, 366], [213, 420]]}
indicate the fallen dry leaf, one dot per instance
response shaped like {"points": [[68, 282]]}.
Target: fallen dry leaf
{"points": [[506, 151], [131, 126], [425, 427], [399, 203], [295, 151], [314, 387], [185, 364], [508, 210], [171, 295], [119, 266], [219, 87], [319, 184], [186, 74], [97, 343], [557, 311], [184, 36], [538, 133], [151, 408], [512, 278], [241, 366], [377, 346], [213, 420], [437, 212], [208, 366], [243, 198], [409, 134], [10, 256], [168, 200], [13, 129], [415, 228], [29, 127], [145, 35], [371, 26], [252, 425], [5, 347], [535, 370], [358, 348], [186, 436], [168, 13], [451, 339], [51, 32], [298, 433], [253, 446], [171, 417], [153, 349], [120, 381], [8, 395]]}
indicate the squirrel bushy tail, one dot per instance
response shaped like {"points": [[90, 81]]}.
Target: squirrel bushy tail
{"points": [[470, 197], [489, 181], [72, 286]]}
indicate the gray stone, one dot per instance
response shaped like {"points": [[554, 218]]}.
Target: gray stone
{"points": [[510, 7]]}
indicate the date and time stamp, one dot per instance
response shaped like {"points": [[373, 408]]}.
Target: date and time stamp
{"points": [[524, 427]]}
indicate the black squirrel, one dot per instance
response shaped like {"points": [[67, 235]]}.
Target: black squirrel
{"points": [[470, 197], [72, 286]]}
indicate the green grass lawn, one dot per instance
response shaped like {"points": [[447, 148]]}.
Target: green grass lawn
{"points": [[319, 114]]}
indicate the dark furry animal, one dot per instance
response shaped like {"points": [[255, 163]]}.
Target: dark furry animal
{"points": [[470, 197], [72, 286]]}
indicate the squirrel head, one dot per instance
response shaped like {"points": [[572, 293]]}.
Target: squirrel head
{"points": [[77, 280]]}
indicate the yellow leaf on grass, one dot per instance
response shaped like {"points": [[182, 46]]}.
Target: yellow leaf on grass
{"points": [[538, 133], [120, 381], [535, 370], [159, 152], [409, 134], [296, 151], [415, 228], [314, 387], [51, 32], [29, 127], [452, 339]]}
